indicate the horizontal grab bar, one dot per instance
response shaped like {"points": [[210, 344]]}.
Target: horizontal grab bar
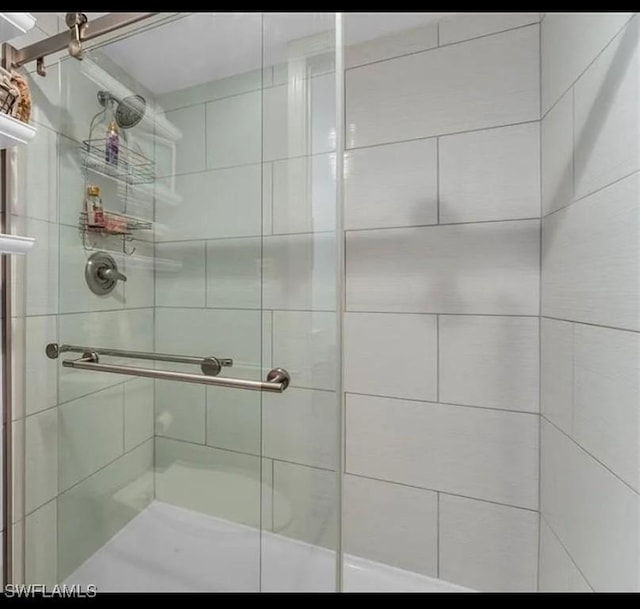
{"points": [[277, 379], [209, 365]]}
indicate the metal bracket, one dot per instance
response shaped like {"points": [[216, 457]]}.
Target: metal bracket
{"points": [[76, 22]]}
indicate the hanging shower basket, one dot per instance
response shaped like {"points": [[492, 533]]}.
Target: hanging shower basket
{"points": [[132, 167]]}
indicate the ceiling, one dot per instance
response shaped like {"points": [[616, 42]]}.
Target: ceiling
{"points": [[201, 47]]}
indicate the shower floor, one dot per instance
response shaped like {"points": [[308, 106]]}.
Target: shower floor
{"points": [[170, 549]]}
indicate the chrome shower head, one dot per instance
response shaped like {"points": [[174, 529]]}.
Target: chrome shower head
{"points": [[129, 111]]}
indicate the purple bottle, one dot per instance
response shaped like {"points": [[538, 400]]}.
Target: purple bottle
{"points": [[112, 146]]}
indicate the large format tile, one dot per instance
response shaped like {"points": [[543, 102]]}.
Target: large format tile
{"points": [[208, 480], [234, 273], [129, 330], [91, 434], [205, 332], [556, 373], [463, 26], [488, 547], [490, 361], [234, 130], [304, 343], [40, 373], [392, 185], [299, 272], [606, 397], [233, 419], [391, 523], [305, 504], [138, 412], [558, 573], [470, 268], [181, 283], [41, 458], [301, 425], [180, 411], [607, 146], [93, 511], [569, 43], [41, 546], [557, 155], [409, 40], [304, 194], [216, 203], [188, 152], [492, 174], [590, 259], [482, 83], [377, 343], [442, 447], [593, 513]]}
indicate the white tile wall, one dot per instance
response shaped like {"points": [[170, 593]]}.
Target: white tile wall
{"points": [[442, 447], [569, 43], [606, 114], [471, 268], [488, 547], [463, 26], [489, 361], [233, 130], [189, 154], [606, 398], [138, 412], [558, 573], [233, 273], [233, 419], [91, 434], [595, 514], [557, 155], [304, 343], [391, 354], [181, 283], [590, 259], [40, 373], [299, 272], [304, 198], [391, 185], [556, 356], [386, 47], [41, 458], [41, 546], [391, 523], [180, 411], [305, 504], [301, 425], [490, 175], [219, 203], [483, 83]]}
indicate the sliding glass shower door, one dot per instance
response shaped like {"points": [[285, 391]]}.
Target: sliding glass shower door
{"points": [[193, 241]]}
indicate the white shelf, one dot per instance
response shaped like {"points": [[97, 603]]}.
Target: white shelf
{"points": [[12, 244], [14, 24], [13, 131]]}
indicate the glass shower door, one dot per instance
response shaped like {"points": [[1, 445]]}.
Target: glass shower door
{"points": [[209, 140]]}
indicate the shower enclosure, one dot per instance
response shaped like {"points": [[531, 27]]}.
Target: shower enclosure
{"points": [[354, 303]]}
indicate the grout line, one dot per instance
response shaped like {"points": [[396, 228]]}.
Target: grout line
{"points": [[540, 265], [438, 180], [561, 95], [410, 226], [572, 203], [437, 358], [427, 402], [441, 313], [443, 46], [438, 535], [583, 449], [584, 323], [445, 134]]}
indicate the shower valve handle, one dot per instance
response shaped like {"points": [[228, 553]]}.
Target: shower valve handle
{"points": [[111, 274]]}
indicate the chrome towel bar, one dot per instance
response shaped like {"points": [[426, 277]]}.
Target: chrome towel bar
{"points": [[277, 379]]}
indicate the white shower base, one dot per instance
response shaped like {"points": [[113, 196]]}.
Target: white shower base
{"points": [[170, 549]]}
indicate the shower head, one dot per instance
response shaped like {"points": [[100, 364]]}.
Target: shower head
{"points": [[129, 111]]}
